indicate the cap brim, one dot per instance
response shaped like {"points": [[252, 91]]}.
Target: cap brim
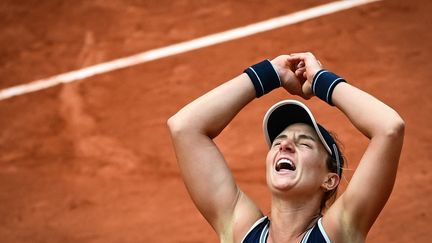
{"points": [[288, 112]]}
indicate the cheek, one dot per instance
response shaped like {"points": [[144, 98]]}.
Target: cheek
{"points": [[270, 153], [269, 157], [315, 161]]}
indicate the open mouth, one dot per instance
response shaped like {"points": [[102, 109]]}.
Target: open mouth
{"points": [[285, 164]]}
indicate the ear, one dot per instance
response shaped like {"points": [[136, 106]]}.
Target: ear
{"points": [[331, 182]]}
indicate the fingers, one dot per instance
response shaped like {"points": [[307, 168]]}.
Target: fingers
{"points": [[283, 64], [302, 66], [307, 64], [299, 72], [306, 58], [300, 57], [307, 90]]}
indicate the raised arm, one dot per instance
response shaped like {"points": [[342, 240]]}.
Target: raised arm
{"points": [[372, 183], [370, 187], [204, 169]]}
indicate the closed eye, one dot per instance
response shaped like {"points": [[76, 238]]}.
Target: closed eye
{"points": [[276, 143], [305, 141], [305, 145], [277, 140]]}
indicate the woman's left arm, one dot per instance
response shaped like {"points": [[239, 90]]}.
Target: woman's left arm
{"points": [[373, 180], [355, 211]]}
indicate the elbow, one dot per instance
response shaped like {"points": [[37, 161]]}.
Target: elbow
{"points": [[396, 127], [174, 125], [179, 125]]}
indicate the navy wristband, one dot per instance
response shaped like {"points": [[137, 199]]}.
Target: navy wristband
{"points": [[324, 83], [264, 77]]}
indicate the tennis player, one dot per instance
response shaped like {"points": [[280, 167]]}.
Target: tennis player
{"points": [[304, 164]]}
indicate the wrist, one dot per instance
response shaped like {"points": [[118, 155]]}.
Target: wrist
{"points": [[264, 77], [323, 84], [277, 70]]}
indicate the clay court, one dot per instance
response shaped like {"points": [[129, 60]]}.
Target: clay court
{"points": [[92, 161]]}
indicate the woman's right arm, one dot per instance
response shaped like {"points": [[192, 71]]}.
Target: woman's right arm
{"points": [[205, 172], [203, 167]]}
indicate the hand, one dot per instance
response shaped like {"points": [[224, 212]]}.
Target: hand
{"points": [[291, 82], [307, 66]]}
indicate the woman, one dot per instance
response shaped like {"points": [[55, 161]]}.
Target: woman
{"points": [[304, 164]]}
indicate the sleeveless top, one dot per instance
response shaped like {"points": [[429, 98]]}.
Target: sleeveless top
{"points": [[259, 233]]}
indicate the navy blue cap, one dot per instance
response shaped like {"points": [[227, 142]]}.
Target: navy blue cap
{"points": [[287, 112]]}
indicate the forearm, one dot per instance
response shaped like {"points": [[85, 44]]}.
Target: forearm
{"points": [[378, 166], [211, 113], [203, 167], [371, 116], [358, 207]]}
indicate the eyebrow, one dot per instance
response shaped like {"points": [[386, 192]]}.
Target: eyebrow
{"points": [[301, 136], [305, 136]]}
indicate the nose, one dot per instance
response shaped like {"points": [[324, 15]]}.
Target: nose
{"points": [[287, 146]]}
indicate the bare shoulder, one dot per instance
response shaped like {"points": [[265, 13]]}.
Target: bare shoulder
{"points": [[245, 215]]}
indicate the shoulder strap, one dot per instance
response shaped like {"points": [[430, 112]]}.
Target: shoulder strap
{"points": [[258, 231], [323, 232], [316, 234]]}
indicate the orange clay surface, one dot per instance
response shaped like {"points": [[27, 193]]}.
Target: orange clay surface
{"points": [[92, 161]]}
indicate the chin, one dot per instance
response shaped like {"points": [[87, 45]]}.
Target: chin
{"points": [[278, 185]]}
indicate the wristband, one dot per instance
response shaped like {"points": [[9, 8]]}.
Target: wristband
{"points": [[264, 77], [324, 83]]}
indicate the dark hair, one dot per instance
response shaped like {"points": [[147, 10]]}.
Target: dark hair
{"points": [[330, 196]]}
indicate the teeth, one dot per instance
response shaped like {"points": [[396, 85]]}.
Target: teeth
{"points": [[285, 164], [285, 161]]}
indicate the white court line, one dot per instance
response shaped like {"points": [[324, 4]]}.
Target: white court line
{"points": [[182, 47]]}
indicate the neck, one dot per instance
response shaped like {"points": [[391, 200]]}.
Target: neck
{"points": [[290, 219]]}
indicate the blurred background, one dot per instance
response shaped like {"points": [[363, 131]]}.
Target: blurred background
{"points": [[92, 160]]}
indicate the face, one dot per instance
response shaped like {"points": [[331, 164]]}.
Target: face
{"points": [[296, 161]]}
